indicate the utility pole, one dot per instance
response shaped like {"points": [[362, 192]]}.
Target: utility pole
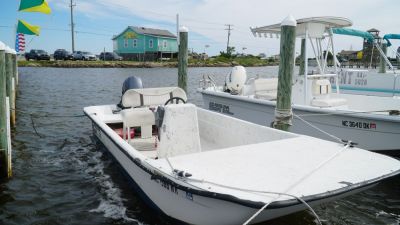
{"points": [[72, 25], [229, 34]]}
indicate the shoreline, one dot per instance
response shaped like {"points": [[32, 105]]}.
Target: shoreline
{"points": [[132, 64]]}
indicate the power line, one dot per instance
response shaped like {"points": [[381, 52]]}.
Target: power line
{"points": [[229, 34]]}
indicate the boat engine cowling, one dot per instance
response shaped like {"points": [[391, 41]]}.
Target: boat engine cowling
{"points": [[235, 80], [131, 82]]}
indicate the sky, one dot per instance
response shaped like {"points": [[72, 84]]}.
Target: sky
{"points": [[98, 20]]}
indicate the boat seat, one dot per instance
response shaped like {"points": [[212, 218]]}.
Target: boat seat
{"points": [[150, 96], [179, 133], [266, 88], [321, 90], [137, 117]]}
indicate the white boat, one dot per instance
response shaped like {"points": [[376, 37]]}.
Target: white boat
{"points": [[370, 121], [202, 167], [369, 81]]}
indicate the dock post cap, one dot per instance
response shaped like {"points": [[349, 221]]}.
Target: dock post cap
{"points": [[289, 21], [9, 50], [2, 46], [183, 29]]}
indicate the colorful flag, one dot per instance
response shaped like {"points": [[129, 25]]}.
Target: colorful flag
{"points": [[20, 42], [34, 6], [26, 28]]}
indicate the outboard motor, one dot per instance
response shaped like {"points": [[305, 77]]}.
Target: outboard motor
{"points": [[235, 80], [132, 82]]}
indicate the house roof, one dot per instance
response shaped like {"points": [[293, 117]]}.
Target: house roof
{"points": [[148, 31]]}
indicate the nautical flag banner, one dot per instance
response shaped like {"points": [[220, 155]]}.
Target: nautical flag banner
{"points": [[34, 6], [26, 28], [20, 42]]}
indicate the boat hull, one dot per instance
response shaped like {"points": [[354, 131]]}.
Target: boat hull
{"points": [[366, 82], [178, 202], [368, 131]]}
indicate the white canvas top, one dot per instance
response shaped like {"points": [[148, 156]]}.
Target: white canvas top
{"points": [[317, 26]]}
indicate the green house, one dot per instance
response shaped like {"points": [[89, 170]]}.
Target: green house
{"points": [[140, 43]]}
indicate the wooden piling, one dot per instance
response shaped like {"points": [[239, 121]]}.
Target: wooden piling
{"points": [[183, 58], [382, 62], [283, 110], [13, 89], [9, 82], [3, 115], [302, 60]]}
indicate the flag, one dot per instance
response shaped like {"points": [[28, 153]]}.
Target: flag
{"points": [[34, 6], [20, 42], [26, 28]]}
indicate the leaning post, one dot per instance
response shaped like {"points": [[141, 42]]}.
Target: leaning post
{"points": [[283, 110], [3, 114], [183, 58], [382, 62], [302, 60]]}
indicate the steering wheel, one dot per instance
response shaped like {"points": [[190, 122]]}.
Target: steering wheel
{"points": [[175, 98]]}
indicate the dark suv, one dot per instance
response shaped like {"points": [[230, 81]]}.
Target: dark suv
{"points": [[110, 56], [62, 54], [37, 55]]}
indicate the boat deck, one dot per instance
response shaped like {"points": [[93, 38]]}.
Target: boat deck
{"points": [[148, 146]]}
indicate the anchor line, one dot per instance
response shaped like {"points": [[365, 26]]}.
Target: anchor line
{"points": [[346, 113], [319, 129]]}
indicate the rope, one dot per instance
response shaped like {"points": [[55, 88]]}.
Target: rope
{"points": [[34, 127], [48, 115], [345, 113], [322, 131]]}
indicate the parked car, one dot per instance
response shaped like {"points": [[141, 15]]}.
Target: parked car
{"points": [[62, 54], [110, 56], [88, 56], [37, 54]]}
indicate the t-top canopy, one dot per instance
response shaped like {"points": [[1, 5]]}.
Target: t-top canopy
{"points": [[352, 32], [317, 26], [390, 36]]}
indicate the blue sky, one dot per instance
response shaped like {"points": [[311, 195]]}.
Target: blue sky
{"points": [[98, 20]]}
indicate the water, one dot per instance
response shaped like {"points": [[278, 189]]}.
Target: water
{"points": [[62, 175]]}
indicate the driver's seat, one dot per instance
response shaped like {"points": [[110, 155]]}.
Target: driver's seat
{"points": [[148, 97]]}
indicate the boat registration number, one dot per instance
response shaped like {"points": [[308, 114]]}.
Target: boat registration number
{"points": [[219, 108]]}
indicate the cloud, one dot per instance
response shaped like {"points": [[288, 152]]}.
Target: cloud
{"points": [[206, 18]]}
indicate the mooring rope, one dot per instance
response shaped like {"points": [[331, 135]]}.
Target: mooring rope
{"points": [[346, 113], [317, 128]]}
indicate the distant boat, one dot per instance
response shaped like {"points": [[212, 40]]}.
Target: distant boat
{"points": [[369, 81], [202, 167], [370, 121]]}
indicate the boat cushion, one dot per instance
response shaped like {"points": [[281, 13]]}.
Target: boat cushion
{"points": [[328, 102], [179, 133], [266, 88], [150, 96], [321, 87], [138, 117]]}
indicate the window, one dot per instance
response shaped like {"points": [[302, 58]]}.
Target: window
{"points": [[151, 43], [125, 43], [134, 43], [164, 44]]}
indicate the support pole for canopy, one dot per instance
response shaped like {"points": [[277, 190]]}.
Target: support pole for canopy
{"points": [[302, 60], [305, 66], [335, 61], [382, 62], [283, 110]]}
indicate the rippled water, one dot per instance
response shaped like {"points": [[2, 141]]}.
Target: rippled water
{"points": [[62, 175]]}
